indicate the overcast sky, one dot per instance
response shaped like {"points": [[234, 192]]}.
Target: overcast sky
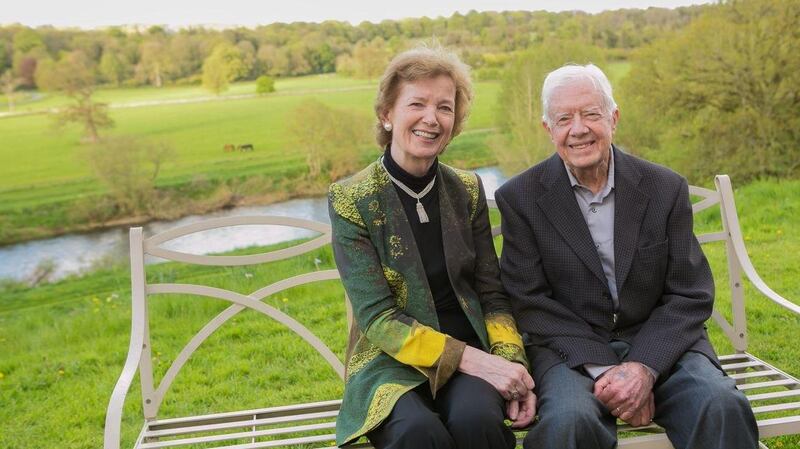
{"points": [[180, 13]]}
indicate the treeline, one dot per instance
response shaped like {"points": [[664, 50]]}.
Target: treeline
{"points": [[721, 95], [136, 56]]}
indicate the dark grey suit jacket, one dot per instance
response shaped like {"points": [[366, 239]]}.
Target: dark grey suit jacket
{"points": [[555, 280]]}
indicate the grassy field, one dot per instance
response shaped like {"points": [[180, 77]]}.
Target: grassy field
{"points": [[32, 154], [63, 344], [42, 173]]}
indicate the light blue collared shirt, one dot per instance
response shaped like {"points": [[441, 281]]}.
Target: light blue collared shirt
{"points": [[598, 211]]}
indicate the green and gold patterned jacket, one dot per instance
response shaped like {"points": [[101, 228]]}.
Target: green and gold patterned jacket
{"points": [[394, 343]]}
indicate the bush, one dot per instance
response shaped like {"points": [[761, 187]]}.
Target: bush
{"points": [[331, 138], [265, 84], [128, 167]]}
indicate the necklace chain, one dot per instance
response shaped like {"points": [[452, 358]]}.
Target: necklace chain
{"points": [[423, 215]]}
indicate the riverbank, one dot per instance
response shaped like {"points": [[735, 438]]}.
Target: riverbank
{"points": [[47, 260], [80, 209]]}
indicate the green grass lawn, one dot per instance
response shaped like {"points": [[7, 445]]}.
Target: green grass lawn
{"points": [[63, 344]]}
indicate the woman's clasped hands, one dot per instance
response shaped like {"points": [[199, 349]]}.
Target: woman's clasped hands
{"points": [[510, 379]]}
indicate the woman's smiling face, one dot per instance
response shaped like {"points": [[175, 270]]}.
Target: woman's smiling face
{"points": [[422, 120]]}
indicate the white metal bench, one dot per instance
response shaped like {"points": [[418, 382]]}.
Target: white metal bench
{"points": [[774, 394]]}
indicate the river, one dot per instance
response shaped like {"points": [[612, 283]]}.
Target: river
{"points": [[78, 253]]}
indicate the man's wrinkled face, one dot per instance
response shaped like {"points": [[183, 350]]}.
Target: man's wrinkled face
{"points": [[581, 129]]}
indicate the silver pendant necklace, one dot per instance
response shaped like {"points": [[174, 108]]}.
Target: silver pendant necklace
{"points": [[423, 216]]}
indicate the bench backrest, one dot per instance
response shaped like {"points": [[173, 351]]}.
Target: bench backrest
{"points": [[139, 353]]}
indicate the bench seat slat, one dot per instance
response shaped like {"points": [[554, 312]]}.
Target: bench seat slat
{"points": [[778, 426], [775, 395], [750, 374], [776, 407], [659, 441], [239, 435], [287, 442], [629, 428], [728, 357], [741, 365], [771, 383], [283, 410], [242, 423]]}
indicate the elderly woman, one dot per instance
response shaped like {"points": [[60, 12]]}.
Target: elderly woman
{"points": [[434, 359]]}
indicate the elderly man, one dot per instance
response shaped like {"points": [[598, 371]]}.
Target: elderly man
{"points": [[610, 286]]}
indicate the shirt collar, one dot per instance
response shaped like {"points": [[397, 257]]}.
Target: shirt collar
{"points": [[609, 182]]}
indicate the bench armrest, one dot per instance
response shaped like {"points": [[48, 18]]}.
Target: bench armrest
{"points": [[737, 242]]}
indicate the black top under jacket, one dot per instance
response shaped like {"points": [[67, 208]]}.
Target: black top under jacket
{"points": [[428, 236]]}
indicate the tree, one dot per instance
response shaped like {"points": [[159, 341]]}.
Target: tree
{"points": [[522, 141], [265, 85], [331, 139], [295, 54], [186, 55], [154, 61], [9, 84], [321, 58], [113, 66], [129, 167], [25, 67], [215, 75], [5, 56], [247, 52], [26, 40], [28, 49], [74, 75], [222, 66], [368, 60], [722, 95], [271, 61]]}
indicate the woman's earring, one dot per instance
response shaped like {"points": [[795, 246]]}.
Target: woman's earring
{"points": [[387, 126]]}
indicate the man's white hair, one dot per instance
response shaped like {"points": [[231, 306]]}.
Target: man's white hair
{"points": [[569, 74]]}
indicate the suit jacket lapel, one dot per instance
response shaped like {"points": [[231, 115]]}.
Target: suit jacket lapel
{"points": [[561, 209], [630, 207]]}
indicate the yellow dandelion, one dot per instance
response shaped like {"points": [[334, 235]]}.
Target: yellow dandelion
{"points": [[285, 300], [2, 376], [61, 372]]}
